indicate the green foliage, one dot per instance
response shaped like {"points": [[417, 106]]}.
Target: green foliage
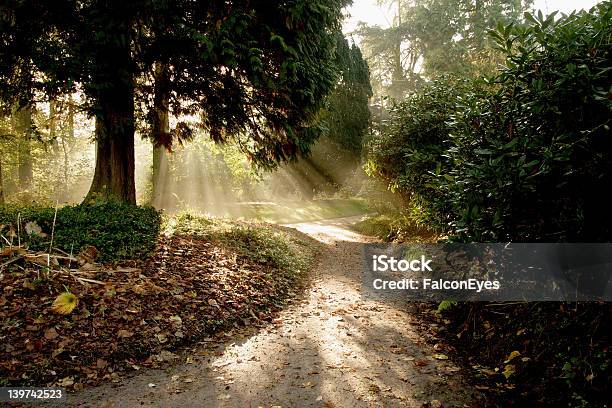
{"points": [[259, 243], [396, 226], [564, 349], [434, 37], [446, 304], [347, 115], [410, 147], [118, 231], [255, 72], [524, 156]]}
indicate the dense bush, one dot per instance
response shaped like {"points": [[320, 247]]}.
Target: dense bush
{"points": [[118, 231], [409, 147], [525, 156]]}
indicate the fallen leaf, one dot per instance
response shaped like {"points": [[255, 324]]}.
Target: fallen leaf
{"points": [[65, 303], [51, 334], [512, 356], [66, 382], [124, 334], [32, 228], [29, 285], [508, 371]]}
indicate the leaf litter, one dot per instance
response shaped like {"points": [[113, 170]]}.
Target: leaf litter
{"points": [[66, 320]]}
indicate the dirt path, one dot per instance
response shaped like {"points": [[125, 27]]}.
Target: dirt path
{"points": [[332, 349]]}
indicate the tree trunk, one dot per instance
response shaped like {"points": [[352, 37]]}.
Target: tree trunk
{"points": [[479, 27], [160, 176], [53, 122], [70, 121], [68, 138], [114, 172], [160, 132], [24, 127], [398, 71], [1, 184]]}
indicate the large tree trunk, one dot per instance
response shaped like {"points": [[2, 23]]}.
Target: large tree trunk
{"points": [[160, 132], [114, 172]]}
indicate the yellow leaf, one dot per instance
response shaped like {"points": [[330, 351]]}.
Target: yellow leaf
{"points": [[508, 371], [512, 356], [65, 303]]}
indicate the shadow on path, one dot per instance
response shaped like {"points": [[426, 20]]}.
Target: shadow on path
{"points": [[331, 349]]}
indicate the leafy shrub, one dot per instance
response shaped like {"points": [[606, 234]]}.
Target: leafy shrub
{"points": [[524, 156], [396, 227], [531, 158], [118, 231], [410, 147]]}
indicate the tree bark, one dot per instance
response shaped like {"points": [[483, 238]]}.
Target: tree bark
{"points": [[160, 176], [69, 135], [70, 124], [160, 132], [53, 122], [24, 127], [479, 26], [114, 171], [1, 184], [398, 71]]}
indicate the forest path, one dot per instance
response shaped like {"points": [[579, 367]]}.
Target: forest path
{"points": [[330, 349]]}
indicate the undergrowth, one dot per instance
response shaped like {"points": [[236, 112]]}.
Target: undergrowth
{"points": [[118, 231], [396, 227], [260, 243]]}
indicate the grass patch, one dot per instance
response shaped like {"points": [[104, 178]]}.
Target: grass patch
{"points": [[257, 242], [395, 227]]}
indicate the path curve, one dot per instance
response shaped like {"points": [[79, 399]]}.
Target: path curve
{"points": [[332, 349]]}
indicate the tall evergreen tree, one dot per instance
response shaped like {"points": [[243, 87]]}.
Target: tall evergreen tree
{"points": [[432, 37], [347, 116], [253, 72]]}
